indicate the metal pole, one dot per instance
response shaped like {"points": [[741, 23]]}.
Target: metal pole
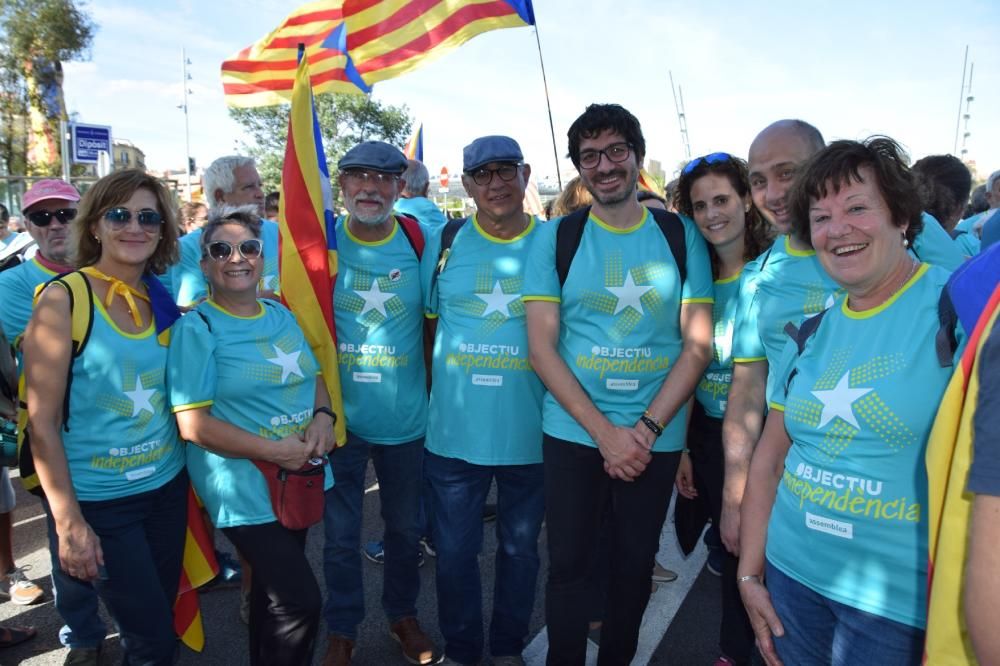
{"points": [[548, 104], [187, 131], [961, 98], [64, 148]]}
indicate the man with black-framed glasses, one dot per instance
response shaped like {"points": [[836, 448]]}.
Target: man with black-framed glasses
{"points": [[379, 319], [48, 207]]}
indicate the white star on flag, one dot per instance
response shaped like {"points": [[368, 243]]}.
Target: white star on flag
{"points": [[629, 294], [375, 298], [289, 363], [140, 398], [497, 301], [838, 401]]}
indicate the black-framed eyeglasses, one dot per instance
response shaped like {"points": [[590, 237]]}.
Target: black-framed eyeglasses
{"points": [[119, 217], [221, 250], [484, 176], [43, 218], [361, 176], [714, 158], [616, 152]]}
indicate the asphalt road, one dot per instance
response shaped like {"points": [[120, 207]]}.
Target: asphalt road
{"points": [[226, 635]]}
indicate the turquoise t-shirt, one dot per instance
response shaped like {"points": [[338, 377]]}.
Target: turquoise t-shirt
{"points": [[486, 400], [423, 209], [11, 237], [121, 438], [187, 283], [782, 285], [850, 516], [257, 373], [17, 295], [619, 314], [968, 244], [934, 245], [712, 391], [378, 307]]}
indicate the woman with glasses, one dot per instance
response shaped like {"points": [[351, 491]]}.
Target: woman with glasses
{"points": [[833, 530], [243, 384], [104, 443], [714, 191]]}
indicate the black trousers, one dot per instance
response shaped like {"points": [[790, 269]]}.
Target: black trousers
{"points": [[577, 490], [285, 600], [736, 638]]}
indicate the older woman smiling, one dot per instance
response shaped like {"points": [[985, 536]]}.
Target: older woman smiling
{"points": [[837, 483]]}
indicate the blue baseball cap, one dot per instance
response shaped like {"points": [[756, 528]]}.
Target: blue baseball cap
{"points": [[375, 155], [488, 149]]}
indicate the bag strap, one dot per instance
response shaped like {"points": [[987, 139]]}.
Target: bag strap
{"points": [[673, 230], [801, 335], [414, 235], [945, 342]]}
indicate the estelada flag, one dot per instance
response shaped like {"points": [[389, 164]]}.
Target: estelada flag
{"points": [[351, 44], [414, 149], [199, 567], [307, 264]]}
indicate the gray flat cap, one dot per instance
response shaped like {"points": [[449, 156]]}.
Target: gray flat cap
{"points": [[488, 149], [375, 155]]}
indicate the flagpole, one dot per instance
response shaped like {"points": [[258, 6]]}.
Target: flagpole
{"points": [[548, 104]]}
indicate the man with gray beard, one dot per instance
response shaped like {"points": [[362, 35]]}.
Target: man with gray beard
{"points": [[378, 306]]}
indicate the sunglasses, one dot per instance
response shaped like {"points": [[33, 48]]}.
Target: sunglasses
{"points": [[221, 250], [43, 218], [118, 218], [714, 158]]}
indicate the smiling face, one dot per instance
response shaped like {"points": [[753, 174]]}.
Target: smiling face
{"points": [[854, 237], [368, 195], [609, 182], [499, 200], [775, 155], [236, 275], [719, 211], [134, 244]]}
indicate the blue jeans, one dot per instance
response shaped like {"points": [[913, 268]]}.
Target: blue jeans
{"points": [[458, 495], [819, 630], [76, 600], [398, 467], [142, 537]]}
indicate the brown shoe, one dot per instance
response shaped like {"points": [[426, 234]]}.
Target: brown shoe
{"points": [[417, 648], [339, 651]]}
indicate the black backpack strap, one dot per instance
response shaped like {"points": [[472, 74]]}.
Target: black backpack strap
{"points": [[945, 342], [448, 234], [673, 230], [801, 335], [568, 237], [956, 232]]}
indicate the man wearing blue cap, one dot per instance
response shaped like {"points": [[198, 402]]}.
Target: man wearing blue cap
{"points": [[484, 420], [378, 313]]}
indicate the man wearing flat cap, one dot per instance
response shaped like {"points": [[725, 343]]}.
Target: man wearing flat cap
{"points": [[379, 319], [484, 420]]}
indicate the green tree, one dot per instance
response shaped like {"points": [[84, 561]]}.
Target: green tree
{"points": [[344, 121], [33, 32]]}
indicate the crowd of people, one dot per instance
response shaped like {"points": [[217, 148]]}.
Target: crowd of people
{"points": [[767, 339]]}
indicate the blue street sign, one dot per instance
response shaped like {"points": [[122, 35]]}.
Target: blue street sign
{"points": [[88, 141]]}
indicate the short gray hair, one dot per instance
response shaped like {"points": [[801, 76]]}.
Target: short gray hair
{"points": [[219, 176], [994, 177], [416, 179], [246, 216]]}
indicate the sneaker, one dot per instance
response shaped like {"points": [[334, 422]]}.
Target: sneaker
{"points": [[83, 656], [489, 513], [416, 647], [339, 651], [230, 572], [716, 556], [375, 552], [662, 574], [22, 592], [428, 546]]}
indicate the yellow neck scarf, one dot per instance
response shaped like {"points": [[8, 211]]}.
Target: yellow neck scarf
{"points": [[116, 286]]}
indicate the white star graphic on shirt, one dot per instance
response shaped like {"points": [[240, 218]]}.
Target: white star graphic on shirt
{"points": [[629, 294], [289, 363], [140, 398], [497, 301], [837, 402], [375, 298]]}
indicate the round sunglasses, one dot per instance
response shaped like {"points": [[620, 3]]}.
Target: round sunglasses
{"points": [[119, 217], [221, 250]]}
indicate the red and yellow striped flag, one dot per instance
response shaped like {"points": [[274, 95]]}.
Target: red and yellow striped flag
{"points": [[308, 254], [198, 568], [351, 44]]}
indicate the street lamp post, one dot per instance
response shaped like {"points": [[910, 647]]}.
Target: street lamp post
{"points": [[187, 131]]}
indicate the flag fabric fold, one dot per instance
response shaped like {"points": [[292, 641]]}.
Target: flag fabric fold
{"points": [[307, 264], [352, 44], [199, 566], [414, 149]]}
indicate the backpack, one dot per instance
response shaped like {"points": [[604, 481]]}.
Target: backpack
{"points": [[414, 235], [448, 234], [81, 306], [570, 232]]}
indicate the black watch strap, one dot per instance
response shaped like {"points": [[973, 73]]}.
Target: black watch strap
{"points": [[325, 410]]}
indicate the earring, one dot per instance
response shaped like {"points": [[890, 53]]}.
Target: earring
{"points": [[97, 239], [906, 243]]}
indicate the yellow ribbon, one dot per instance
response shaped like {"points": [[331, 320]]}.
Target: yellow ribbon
{"points": [[116, 286]]}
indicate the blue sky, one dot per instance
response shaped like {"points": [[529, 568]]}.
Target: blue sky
{"points": [[852, 68]]}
